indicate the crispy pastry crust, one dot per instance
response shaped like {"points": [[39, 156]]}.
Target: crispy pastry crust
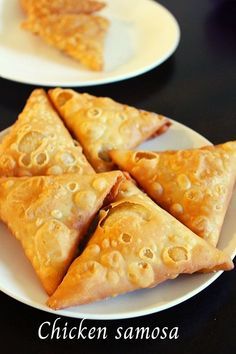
{"points": [[50, 215], [101, 124], [47, 7], [39, 144], [81, 36], [194, 185], [136, 245]]}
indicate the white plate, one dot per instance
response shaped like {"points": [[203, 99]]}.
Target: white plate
{"points": [[142, 35], [18, 279]]}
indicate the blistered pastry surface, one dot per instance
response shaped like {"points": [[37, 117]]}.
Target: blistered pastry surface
{"points": [[136, 245], [49, 216], [193, 185], [101, 124], [80, 36], [39, 144]]}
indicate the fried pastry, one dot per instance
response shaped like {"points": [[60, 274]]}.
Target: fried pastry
{"points": [[39, 144], [193, 185], [47, 7], [25, 5], [81, 36], [136, 245], [101, 124], [49, 215]]}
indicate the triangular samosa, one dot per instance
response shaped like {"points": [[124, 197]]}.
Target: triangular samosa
{"points": [[101, 124], [50, 215], [193, 185], [136, 245], [81, 36], [39, 144]]}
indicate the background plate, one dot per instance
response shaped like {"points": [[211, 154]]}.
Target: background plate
{"points": [[18, 279], [142, 35]]}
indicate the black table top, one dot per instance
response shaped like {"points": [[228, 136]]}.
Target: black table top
{"points": [[196, 86]]}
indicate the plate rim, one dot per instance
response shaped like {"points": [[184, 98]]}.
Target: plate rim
{"points": [[111, 79], [117, 316]]}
